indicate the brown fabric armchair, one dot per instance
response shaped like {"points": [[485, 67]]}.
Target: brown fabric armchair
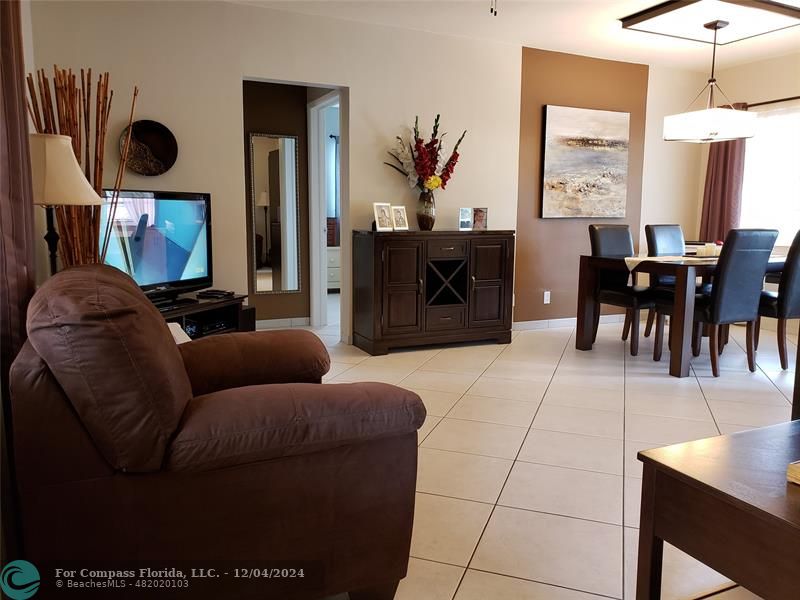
{"points": [[218, 451]]}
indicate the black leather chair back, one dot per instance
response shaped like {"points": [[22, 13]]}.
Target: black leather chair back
{"points": [[740, 275], [664, 240], [611, 241], [789, 286]]}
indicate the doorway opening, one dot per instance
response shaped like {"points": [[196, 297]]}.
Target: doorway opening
{"points": [[325, 198]]}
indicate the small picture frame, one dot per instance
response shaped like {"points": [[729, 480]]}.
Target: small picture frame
{"points": [[383, 216], [480, 219], [399, 218], [465, 219]]}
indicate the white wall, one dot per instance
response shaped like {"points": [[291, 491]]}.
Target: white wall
{"points": [[671, 169], [189, 60]]}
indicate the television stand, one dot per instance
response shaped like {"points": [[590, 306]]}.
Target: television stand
{"points": [[165, 304], [201, 317]]}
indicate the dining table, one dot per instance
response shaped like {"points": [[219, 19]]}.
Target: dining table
{"points": [[685, 270]]}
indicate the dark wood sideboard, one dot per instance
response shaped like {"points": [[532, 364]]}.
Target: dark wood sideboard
{"points": [[412, 288]]}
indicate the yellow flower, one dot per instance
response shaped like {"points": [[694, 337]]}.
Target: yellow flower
{"points": [[433, 182]]}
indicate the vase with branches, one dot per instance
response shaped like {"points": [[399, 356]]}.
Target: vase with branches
{"points": [[425, 167], [71, 108]]}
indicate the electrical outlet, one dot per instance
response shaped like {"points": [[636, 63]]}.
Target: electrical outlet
{"points": [[547, 296]]}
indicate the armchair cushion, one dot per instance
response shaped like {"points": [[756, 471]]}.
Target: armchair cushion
{"points": [[262, 422], [261, 357], [111, 352]]}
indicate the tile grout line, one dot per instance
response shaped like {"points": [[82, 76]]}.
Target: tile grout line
{"points": [[624, 440], [505, 481]]}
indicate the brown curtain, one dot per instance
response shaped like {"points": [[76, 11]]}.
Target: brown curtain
{"points": [[17, 277], [722, 198]]}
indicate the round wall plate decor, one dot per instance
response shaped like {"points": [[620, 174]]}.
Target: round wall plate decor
{"points": [[153, 148]]}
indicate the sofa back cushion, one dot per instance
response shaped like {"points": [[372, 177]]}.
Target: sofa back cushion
{"points": [[112, 353]]}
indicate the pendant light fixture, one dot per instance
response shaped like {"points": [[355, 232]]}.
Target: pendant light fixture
{"points": [[711, 124]]}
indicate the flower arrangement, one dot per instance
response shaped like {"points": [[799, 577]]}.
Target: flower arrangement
{"points": [[422, 163]]}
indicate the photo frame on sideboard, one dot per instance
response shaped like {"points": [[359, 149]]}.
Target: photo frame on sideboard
{"points": [[399, 218], [480, 219], [383, 216], [465, 219]]}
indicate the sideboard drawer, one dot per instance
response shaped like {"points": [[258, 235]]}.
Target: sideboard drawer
{"points": [[447, 248], [446, 317]]}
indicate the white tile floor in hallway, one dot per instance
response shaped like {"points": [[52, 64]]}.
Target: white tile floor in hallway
{"points": [[528, 484]]}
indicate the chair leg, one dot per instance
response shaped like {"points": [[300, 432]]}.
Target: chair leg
{"points": [[721, 340], [782, 344], [596, 324], [751, 348], [634, 333], [626, 328], [658, 339], [651, 317], [669, 334], [697, 338], [758, 332], [713, 342], [377, 592]]}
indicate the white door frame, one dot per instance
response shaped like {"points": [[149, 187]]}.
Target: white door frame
{"points": [[317, 214]]}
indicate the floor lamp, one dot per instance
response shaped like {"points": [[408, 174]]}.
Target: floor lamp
{"points": [[57, 181], [263, 202]]}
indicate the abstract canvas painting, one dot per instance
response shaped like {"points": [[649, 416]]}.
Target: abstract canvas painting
{"points": [[585, 170]]}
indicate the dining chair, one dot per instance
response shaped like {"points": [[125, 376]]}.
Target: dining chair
{"points": [[785, 303], [616, 241], [735, 295], [662, 240]]}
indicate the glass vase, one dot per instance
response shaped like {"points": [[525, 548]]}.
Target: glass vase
{"points": [[426, 211]]}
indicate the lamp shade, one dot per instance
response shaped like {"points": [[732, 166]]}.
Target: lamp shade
{"points": [[57, 176], [709, 125], [263, 199]]}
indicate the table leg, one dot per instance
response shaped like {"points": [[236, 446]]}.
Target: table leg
{"points": [[651, 548], [681, 321], [587, 305], [796, 395]]}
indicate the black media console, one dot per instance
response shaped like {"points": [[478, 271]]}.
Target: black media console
{"points": [[200, 317]]}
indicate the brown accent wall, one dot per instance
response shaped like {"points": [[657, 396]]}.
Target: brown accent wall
{"points": [[278, 109], [548, 250]]}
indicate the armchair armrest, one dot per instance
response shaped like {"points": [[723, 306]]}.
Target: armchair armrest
{"points": [[260, 357], [263, 422]]}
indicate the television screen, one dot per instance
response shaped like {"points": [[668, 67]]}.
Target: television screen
{"points": [[161, 239]]}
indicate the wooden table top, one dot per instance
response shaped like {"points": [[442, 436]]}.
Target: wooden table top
{"points": [[747, 469]]}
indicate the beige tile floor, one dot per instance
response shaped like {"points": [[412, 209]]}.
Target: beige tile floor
{"points": [[528, 483]]}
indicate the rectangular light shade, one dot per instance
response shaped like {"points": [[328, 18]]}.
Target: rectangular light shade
{"points": [[56, 174], [709, 125]]}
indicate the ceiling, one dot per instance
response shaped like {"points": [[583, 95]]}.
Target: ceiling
{"points": [[588, 27]]}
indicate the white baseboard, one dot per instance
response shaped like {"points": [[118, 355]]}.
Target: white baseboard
{"points": [[566, 322], [282, 323]]}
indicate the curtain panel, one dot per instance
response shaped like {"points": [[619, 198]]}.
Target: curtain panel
{"points": [[722, 197], [17, 277]]}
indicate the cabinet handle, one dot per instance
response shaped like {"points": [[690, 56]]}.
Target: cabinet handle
{"points": [[449, 248], [445, 318], [420, 285], [473, 279]]}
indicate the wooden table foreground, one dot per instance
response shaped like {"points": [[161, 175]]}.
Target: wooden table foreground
{"points": [[726, 502]]}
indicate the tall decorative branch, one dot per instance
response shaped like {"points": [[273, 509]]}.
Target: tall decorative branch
{"points": [[67, 110]]}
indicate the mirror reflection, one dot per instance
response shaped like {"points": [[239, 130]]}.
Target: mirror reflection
{"points": [[275, 201]]}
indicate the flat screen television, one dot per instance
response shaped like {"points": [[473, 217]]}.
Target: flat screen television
{"points": [[162, 240]]}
